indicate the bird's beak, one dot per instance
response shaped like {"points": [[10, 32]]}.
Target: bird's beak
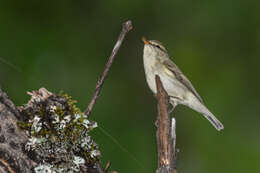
{"points": [[145, 40]]}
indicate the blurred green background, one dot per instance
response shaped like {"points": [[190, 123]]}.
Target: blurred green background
{"points": [[64, 45]]}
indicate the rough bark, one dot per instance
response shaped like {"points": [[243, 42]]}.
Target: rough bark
{"points": [[166, 136], [12, 140]]}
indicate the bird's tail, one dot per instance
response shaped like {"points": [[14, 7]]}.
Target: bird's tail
{"points": [[201, 108], [213, 120]]}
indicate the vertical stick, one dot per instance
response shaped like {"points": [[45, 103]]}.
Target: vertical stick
{"points": [[166, 135]]}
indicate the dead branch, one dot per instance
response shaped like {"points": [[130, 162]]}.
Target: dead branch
{"points": [[127, 26], [166, 136]]}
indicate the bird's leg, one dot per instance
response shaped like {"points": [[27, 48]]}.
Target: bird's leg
{"points": [[171, 108], [172, 105]]}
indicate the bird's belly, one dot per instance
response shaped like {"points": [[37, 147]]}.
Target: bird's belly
{"points": [[172, 86]]}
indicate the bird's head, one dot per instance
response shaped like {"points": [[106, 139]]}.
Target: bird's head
{"points": [[154, 48]]}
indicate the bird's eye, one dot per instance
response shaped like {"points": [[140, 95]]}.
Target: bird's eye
{"points": [[158, 46]]}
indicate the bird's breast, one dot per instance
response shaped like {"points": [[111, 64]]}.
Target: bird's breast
{"points": [[150, 71], [173, 87]]}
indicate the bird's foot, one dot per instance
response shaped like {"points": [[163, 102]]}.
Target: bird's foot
{"points": [[170, 109]]}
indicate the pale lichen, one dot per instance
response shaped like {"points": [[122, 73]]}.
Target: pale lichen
{"points": [[58, 134]]}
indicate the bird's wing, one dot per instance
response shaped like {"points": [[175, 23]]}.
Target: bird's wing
{"points": [[181, 77]]}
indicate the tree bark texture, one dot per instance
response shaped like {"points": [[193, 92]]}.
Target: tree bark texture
{"points": [[12, 155], [166, 135]]}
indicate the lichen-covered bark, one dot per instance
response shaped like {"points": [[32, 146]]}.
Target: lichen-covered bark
{"points": [[58, 133], [13, 156]]}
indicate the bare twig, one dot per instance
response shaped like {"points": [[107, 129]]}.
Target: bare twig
{"points": [[127, 26], [107, 166], [166, 136]]}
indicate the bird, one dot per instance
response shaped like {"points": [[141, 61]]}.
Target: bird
{"points": [[180, 90]]}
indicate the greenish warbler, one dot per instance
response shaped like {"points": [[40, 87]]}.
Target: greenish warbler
{"points": [[176, 84]]}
